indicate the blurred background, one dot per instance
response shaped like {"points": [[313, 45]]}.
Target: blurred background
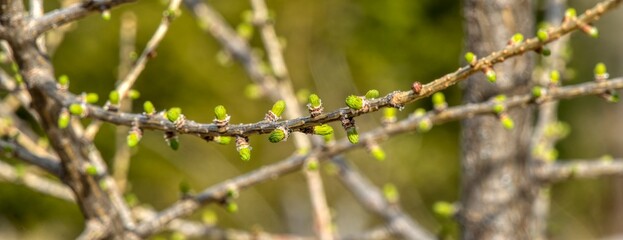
{"points": [[333, 48]]}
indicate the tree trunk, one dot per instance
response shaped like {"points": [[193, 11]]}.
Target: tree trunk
{"points": [[497, 194]]}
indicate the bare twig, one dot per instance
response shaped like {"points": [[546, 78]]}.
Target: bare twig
{"points": [[48, 164], [35, 182], [568, 169]]}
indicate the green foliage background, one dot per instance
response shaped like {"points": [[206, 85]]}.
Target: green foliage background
{"points": [[334, 48]]}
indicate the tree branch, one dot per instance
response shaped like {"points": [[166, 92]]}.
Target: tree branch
{"points": [[35, 182], [72, 13], [571, 169]]}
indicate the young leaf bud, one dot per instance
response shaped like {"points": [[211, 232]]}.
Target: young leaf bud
{"points": [[377, 152], [76, 109], [149, 108], [63, 81], [134, 94], [507, 122], [91, 170], [498, 108], [546, 51], [439, 101], [517, 38], [253, 91], [554, 77], [390, 192], [174, 143], [354, 102], [471, 58], [542, 35], [570, 13], [245, 30], [425, 125], [278, 135], [113, 97], [223, 140], [601, 73], [389, 115], [312, 164], [243, 148], [184, 188], [245, 154], [91, 98], [174, 113], [63, 119], [220, 112], [134, 136], [209, 217], [323, 129], [232, 207], [537, 91], [490, 73], [278, 108], [420, 112], [106, 15], [444, 209], [372, 94], [315, 101], [352, 134]]}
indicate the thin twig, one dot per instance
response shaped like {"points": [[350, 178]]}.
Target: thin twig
{"points": [[48, 164], [35, 182], [574, 169]]}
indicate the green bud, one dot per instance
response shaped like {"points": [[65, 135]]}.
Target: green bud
{"points": [[328, 138], [91, 170], [245, 153], [372, 94], [63, 119], [247, 16], [253, 91], [133, 139], [18, 78], [134, 94], [390, 192], [76, 109], [444, 209], [113, 97], [314, 100], [439, 100], [184, 187], [278, 108], [507, 122], [498, 108], [542, 35], [354, 102], [174, 113], [352, 134], [232, 207], [546, 52], [613, 97], [554, 77], [593, 32], [106, 15], [471, 58], [420, 112], [389, 113], [223, 140], [220, 112], [425, 125], [517, 38], [570, 13], [323, 129], [209, 217], [91, 98], [148, 107], [500, 98], [63, 80], [312, 164], [245, 30], [277, 135], [14, 67], [537, 91], [600, 69], [491, 76], [174, 143], [377, 152]]}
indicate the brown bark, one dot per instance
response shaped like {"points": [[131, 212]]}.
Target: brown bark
{"points": [[496, 190]]}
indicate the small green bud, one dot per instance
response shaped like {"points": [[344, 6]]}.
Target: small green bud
{"points": [[491, 76], [134, 94], [377, 152], [593, 32], [91, 98], [148, 107], [425, 125], [232, 207], [323, 130], [439, 100], [570, 13], [354, 102], [76, 109], [498, 108], [372, 94], [63, 119], [63, 80], [245, 30], [113, 97], [277, 135], [444, 209], [131, 199], [184, 187], [220, 112], [613, 97], [546, 52], [328, 138], [312, 164], [91, 170], [133, 139], [390, 192], [542, 35], [314, 100], [278, 108], [554, 77], [537, 91], [471, 58], [18, 78], [507, 122], [209, 217], [106, 15], [245, 153], [15, 67], [600, 69], [173, 142], [517, 38], [223, 140], [389, 114], [420, 112], [500, 98], [253, 91], [174, 113], [352, 134], [247, 16]]}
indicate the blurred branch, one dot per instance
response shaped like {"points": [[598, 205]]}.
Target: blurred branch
{"points": [[48, 164], [574, 169], [373, 200], [35, 182], [219, 192], [69, 14], [36, 10], [123, 87], [373, 234]]}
